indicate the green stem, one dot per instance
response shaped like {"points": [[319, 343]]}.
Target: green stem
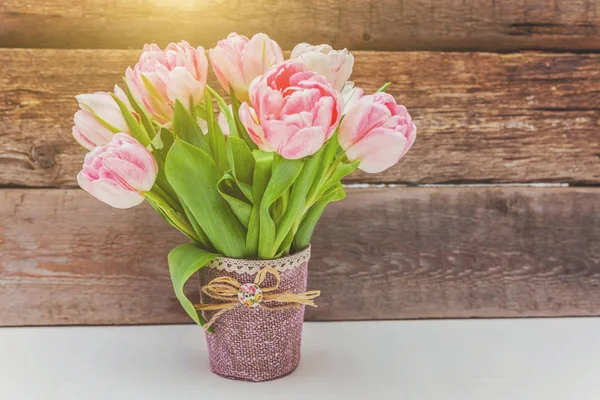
{"points": [[174, 217], [312, 200], [315, 194]]}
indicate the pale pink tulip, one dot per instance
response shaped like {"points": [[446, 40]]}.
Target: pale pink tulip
{"points": [[105, 108], [295, 110], [351, 95], [98, 119], [377, 131], [162, 77], [88, 131], [237, 60], [335, 65], [119, 173]]}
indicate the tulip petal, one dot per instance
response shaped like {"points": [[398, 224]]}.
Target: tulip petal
{"points": [[182, 86], [228, 72], [130, 174], [335, 65], [361, 119], [305, 142], [104, 107], [380, 149], [255, 131], [259, 54], [114, 195], [88, 131]]}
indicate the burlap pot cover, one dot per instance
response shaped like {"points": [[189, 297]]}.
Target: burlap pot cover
{"points": [[256, 344]]}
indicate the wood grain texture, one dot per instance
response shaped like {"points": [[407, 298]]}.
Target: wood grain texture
{"points": [[484, 118], [384, 253], [488, 25]]}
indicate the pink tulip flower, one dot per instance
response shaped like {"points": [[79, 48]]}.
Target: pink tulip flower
{"points": [[162, 77], [377, 131], [88, 131], [335, 65], [295, 110], [98, 119], [118, 173], [351, 96], [237, 60]]}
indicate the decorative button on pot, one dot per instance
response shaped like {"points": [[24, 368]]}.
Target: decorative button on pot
{"points": [[250, 295]]}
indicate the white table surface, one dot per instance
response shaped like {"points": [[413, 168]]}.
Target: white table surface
{"points": [[528, 359]]}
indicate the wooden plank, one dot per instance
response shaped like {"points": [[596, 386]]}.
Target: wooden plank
{"points": [[382, 254], [487, 25], [527, 117]]}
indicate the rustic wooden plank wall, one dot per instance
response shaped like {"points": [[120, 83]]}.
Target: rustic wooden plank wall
{"points": [[504, 93]]}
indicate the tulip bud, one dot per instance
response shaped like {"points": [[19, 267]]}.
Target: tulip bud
{"points": [[295, 111], [88, 131], [98, 119], [377, 131], [119, 172], [105, 108], [335, 65], [162, 77], [237, 60]]}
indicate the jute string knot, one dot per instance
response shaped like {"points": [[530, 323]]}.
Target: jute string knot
{"points": [[235, 294]]}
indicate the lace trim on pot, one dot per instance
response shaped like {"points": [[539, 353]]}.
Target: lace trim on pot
{"points": [[251, 267]]}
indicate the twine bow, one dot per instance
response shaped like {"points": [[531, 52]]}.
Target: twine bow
{"points": [[228, 289]]}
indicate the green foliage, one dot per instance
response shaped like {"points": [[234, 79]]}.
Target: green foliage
{"points": [[229, 197], [186, 128], [284, 174], [384, 87], [137, 130], [260, 180], [235, 106], [184, 261], [308, 223], [194, 175], [150, 129]]}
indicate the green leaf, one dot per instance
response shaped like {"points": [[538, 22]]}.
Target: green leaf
{"points": [[384, 87], [241, 162], [326, 156], [307, 226], [184, 261], [262, 175], [241, 129], [284, 248], [279, 207], [200, 111], [160, 203], [240, 208], [140, 111], [186, 128], [297, 201], [160, 147], [342, 170], [216, 139], [202, 238], [226, 112], [137, 131], [194, 176], [284, 175]]}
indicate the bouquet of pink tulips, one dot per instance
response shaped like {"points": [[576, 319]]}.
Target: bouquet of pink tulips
{"points": [[253, 181]]}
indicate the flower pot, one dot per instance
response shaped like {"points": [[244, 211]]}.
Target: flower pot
{"points": [[253, 343]]}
